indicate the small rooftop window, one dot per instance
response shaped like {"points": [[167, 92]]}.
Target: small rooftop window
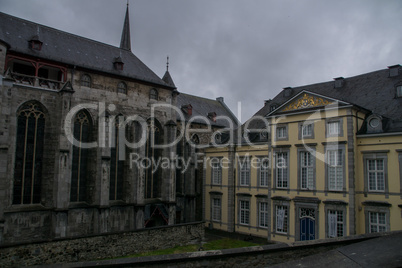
{"points": [[188, 109], [35, 43], [394, 70], [212, 116], [339, 81], [287, 91], [118, 64]]}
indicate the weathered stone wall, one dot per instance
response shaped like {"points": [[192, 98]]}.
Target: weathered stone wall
{"points": [[259, 256], [55, 216], [101, 247]]}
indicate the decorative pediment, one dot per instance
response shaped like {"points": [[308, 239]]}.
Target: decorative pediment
{"points": [[305, 101]]}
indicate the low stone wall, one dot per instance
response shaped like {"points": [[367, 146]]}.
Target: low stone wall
{"points": [[101, 247], [259, 256]]}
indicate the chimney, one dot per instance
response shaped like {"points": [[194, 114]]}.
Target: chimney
{"points": [[394, 70], [339, 82], [220, 99], [267, 101], [287, 91]]}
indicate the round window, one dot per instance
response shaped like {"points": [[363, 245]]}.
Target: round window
{"points": [[374, 123]]}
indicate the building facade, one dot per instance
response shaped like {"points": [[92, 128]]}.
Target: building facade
{"points": [[318, 161], [88, 138]]}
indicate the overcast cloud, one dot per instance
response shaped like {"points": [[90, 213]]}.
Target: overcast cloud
{"points": [[245, 51]]}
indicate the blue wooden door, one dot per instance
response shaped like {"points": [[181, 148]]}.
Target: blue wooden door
{"points": [[307, 229]]}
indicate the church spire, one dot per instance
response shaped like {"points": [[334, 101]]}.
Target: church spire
{"points": [[125, 42], [167, 78]]}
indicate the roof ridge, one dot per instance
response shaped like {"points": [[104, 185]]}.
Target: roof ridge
{"points": [[181, 93], [64, 32], [331, 81]]}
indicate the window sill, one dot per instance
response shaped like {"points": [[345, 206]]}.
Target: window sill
{"points": [[78, 205], [26, 208], [336, 191], [282, 234]]}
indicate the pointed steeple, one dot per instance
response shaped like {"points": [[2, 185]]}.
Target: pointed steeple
{"points": [[125, 42], [167, 78]]}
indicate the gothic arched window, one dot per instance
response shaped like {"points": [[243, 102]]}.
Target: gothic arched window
{"points": [[153, 94], [86, 80], [122, 88], [79, 171], [179, 153], [29, 154], [117, 160], [153, 174]]}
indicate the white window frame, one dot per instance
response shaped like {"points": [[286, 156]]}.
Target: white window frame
{"points": [[339, 228], [335, 164], [281, 132], [244, 170], [263, 214], [216, 209], [244, 213], [264, 172], [333, 128], [281, 220], [307, 170], [282, 170], [376, 173], [377, 225], [307, 130], [216, 171]]}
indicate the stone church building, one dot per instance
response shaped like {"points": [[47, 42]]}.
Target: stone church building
{"points": [[81, 123]]}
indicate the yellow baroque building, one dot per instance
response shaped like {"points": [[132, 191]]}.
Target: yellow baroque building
{"points": [[317, 161]]}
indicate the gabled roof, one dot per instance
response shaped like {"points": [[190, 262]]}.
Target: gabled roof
{"points": [[306, 101], [374, 91], [201, 107], [73, 50]]}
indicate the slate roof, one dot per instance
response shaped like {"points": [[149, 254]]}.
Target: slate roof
{"points": [[374, 91], [203, 106], [168, 79], [73, 50]]}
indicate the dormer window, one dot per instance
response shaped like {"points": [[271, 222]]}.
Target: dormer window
{"points": [[35, 43], [263, 135], [118, 64], [153, 94], [374, 124], [122, 88], [287, 92], [399, 91], [212, 116], [188, 109], [272, 108], [394, 70], [339, 81]]}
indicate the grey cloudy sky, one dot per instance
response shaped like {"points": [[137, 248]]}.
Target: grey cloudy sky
{"points": [[245, 51]]}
